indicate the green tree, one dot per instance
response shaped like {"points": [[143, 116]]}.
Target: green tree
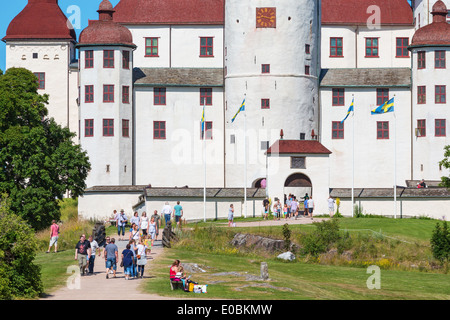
{"points": [[39, 160], [446, 164], [440, 242], [19, 277]]}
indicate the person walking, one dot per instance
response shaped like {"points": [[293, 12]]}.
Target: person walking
{"points": [[127, 261], [167, 212], [94, 248], [157, 218], [144, 223], [230, 215], [82, 251], [294, 208], [111, 254], [311, 207], [266, 204], [141, 258], [121, 223], [54, 235], [136, 220], [152, 230], [178, 213], [331, 206], [305, 204], [134, 233]]}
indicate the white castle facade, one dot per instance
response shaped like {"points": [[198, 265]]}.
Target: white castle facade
{"points": [[146, 70]]}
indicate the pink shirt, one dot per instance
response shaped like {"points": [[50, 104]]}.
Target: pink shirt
{"points": [[55, 230]]}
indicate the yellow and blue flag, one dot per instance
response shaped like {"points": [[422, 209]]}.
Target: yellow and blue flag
{"points": [[350, 110], [386, 107], [203, 120], [241, 108]]}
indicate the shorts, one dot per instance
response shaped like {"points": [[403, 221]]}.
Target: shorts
{"points": [[128, 270], [177, 218], [310, 210], [54, 241], [111, 262]]}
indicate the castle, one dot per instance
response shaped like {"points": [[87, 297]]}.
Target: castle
{"points": [[135, 85]]}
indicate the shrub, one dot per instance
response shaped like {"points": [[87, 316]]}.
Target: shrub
{"points": [[19, 277], [319, 241], [440, 242], [287, 237]]}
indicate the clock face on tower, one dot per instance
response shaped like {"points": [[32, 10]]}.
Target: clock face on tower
{"points": [[266, 17]]}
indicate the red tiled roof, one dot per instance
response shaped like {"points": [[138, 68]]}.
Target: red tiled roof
{"points": [[354, 12], [437, 32], [298, 147], [40, 19], [209, 12], [105, 30]]}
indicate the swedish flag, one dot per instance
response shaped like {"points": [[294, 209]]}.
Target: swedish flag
{"points": [[350, 110], [386, 107], [203, 120], [241, 108]]}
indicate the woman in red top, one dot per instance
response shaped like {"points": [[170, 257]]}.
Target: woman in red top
{"points": [[174, 270]]}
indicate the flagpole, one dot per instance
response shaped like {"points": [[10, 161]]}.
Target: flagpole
{"points": [[204, 161], [395, 164], [353, 157], [245, 159]]}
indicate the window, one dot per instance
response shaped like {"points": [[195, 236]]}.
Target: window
{"points": [[337, 130], [382, 96], [40, 79], [206, 96], [440, 94], [89, 94], [265, 103], [371, 47], [159, 96], [89, 59], [440, 128], [151, 47], [298, 163], [338, 97], [382, 129], [108, 127], [336, 45], [421, 60], [402, 48], [108, 93], [159, 130], [439, 59], [421, 94], [421, 128], [264, 145], [307, 70], [125, 128], [126, 59], [232, 139], [307, 48], [208, 130], [35, 55], [206, 47], [89, 127], [108, 58], [265, 68], [125, 94]]}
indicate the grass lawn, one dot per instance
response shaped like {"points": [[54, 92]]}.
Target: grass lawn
{"points": [[292, 281]]}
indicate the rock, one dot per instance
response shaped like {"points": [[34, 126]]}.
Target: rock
{"points": [[289, 256], [257, 242], [264, 271]]}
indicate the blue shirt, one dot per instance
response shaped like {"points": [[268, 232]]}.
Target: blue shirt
{"points": [[127, 257], [178, 209]]}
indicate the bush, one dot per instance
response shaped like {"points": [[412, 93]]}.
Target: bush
{"points": [[19, 277], [319, 241], [440, 242]]}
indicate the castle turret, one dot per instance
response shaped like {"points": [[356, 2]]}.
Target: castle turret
{"points": [[271, 59], [106, 99]]}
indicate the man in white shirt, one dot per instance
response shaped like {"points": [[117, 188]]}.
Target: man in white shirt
{"points": [[166, 211], [311, 207], [331, 206]]}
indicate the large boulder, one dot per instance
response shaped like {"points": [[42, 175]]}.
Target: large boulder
{"points": [[257, 242]]}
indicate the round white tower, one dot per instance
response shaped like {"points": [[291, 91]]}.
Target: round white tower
{"points": [[430, 47], [106, 99], [271, 59]]}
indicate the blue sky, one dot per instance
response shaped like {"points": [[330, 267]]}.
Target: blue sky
{"points": [[87, 8], [11, 8]]}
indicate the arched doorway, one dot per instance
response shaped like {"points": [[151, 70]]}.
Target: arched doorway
{"points": [[298, 184]]}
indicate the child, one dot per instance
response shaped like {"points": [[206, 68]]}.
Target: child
{"points": [[285, 211]]}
